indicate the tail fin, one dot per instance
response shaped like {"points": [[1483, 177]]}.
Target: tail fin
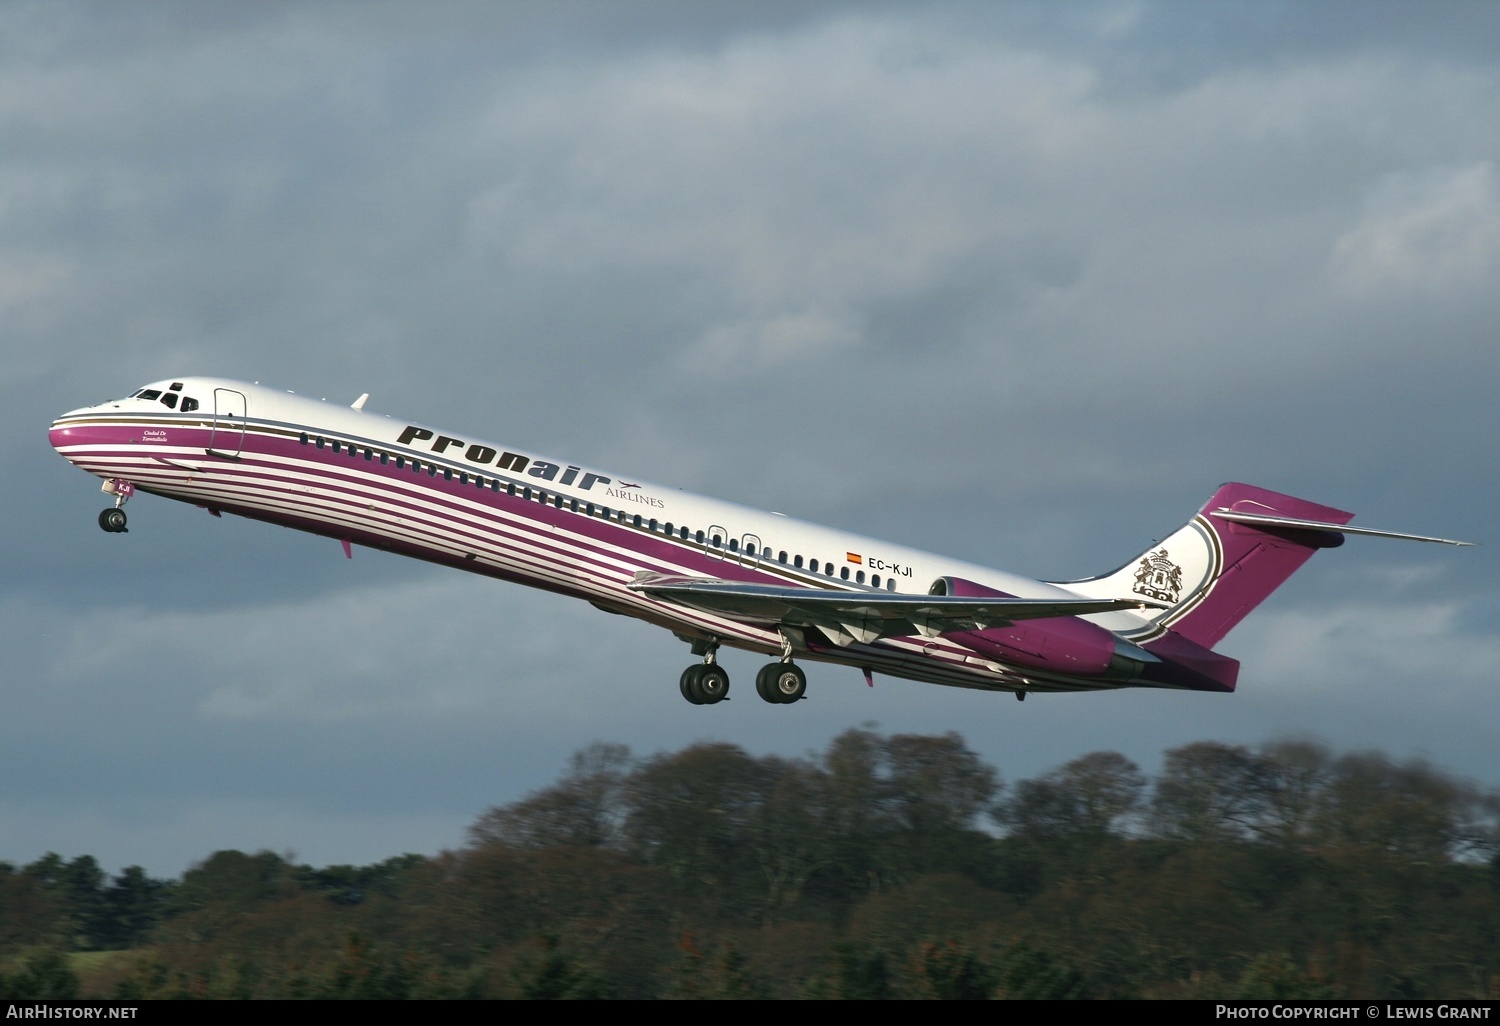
{"points": [[1214, 570]]}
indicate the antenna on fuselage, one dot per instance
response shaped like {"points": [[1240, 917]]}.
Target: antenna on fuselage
{"points": [[359, 404]]}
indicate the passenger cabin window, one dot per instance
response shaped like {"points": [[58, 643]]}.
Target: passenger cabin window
{"points": [[844, 572], [859, 577]]}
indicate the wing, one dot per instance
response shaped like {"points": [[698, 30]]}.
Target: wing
{"points": [[865, 616]]}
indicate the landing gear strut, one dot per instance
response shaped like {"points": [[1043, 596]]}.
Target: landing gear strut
{"points": [[705, 683], [113, 519], [782, 682]]}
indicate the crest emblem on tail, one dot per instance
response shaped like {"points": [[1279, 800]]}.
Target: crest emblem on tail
{"points": [[1159, 578]]}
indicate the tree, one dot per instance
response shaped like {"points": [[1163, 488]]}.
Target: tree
{"points": [[584, 809], [1408, 810], [692, 813], [1298, 777], [1084, 798], [1209, 793]]}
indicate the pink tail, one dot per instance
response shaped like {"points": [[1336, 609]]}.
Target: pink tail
{"points": [[1212, 571]]}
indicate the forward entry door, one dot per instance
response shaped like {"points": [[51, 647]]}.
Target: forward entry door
{"points": [[228, 434]]}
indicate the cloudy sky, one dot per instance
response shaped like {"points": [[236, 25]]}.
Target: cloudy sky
{"points": [[1021, 283]]}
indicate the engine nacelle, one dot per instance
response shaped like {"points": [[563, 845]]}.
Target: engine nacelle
{"points": [[1059, 644]]}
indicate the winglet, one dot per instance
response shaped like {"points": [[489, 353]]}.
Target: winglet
{"points": [[348, 552], [359, 404]]}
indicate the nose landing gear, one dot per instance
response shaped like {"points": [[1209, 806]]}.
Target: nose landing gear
{"points": [[113, 519]]}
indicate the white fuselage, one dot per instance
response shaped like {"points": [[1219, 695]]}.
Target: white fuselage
{"points": [[453, 499]]}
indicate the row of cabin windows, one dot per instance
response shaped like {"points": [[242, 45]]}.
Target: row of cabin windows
{"points": [[589, 509]]}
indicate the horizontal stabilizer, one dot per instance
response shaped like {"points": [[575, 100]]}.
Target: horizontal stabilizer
{"points": [[1266, 520]]}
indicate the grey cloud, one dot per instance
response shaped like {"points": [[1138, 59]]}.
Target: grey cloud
{"points": [[1013, 282]]}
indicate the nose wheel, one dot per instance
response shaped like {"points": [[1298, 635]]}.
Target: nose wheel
{"points": [[113, 520]]}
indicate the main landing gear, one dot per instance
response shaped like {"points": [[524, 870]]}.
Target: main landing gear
{"points": [[781, 683], [707, 683], [113, 519]]}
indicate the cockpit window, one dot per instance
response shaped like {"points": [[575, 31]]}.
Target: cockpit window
{"points": [[189, 404], [149, 393], [169, 400]]}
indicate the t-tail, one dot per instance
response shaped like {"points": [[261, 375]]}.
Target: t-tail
{"points": [[1215, 569]]}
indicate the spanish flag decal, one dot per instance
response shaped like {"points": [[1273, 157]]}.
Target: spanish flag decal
{"points": [[855, 557]]}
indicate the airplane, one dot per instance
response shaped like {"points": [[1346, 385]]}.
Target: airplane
{"points": [[712, 572]]}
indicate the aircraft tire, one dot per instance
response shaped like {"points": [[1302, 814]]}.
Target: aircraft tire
{"points": [[112, 520], [689, 683], [764, 685], [789, 683], [712, 685]]}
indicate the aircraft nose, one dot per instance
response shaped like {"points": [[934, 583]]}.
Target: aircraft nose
{"points": [[61, 434]]}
